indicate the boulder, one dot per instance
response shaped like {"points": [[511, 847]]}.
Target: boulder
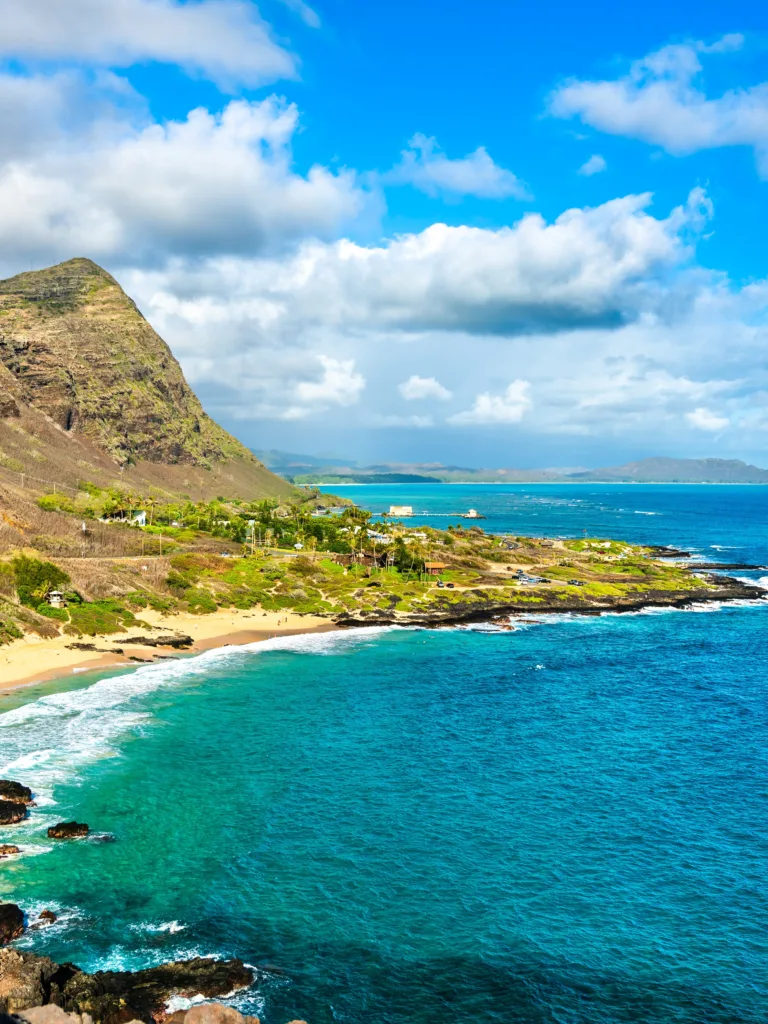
{"points": [[116, 997], [210, 1013], [11, 922], [52, 1014], [15, 792], [213, 1013], [28, 980], [11, 812], [145, 993], [68, 830], [8, 850], [47, 915]]}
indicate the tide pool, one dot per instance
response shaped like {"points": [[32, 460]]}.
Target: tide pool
{"points": [[567, 823]]}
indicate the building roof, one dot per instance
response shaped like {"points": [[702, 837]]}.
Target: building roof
{"points": [[436, 565]]}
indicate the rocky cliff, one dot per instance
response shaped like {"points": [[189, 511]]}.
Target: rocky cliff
{"points": [[77, 348], [86, 377]]}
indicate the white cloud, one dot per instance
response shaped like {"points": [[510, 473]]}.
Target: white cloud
{"points": [[705, 419], [248, 347], [594, 165], [307, 14], [423, 387], [425, 167], [223, 39], [339, 384], [593, 267], [393, 420], [661, 101], [509, 407], [209, 183]]}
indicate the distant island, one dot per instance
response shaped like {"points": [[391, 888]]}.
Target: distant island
{"points": [[311, 470]]}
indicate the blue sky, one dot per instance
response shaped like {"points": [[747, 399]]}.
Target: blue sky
{"points": [[493, 234]]}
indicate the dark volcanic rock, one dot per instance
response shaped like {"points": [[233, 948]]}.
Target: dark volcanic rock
{"points": [[47, 915], [159, 641], [11, 812], [27, 980], [8, 849], [113, 997], [11, 922], [695, 566], [68, 830], [145, 993], [15, 792]]}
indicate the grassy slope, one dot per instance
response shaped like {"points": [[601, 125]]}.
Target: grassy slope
{"points": [[115, 590]]}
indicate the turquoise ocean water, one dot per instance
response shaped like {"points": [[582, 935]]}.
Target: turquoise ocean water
{"points": [[567, 823]]}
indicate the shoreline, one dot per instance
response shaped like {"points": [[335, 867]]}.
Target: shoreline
{"points": [[34, 660]]}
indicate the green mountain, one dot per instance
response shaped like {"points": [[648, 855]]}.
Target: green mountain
{"points": [[689, 471], [308, 469], [88, 390]]}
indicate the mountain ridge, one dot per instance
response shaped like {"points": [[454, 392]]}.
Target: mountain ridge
{"points": [[303, 469], [88, 389]]}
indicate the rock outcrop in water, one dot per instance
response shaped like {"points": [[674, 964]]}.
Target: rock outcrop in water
{"points": [[68, 830], [11, 812], [114, 997], [15, 792], [11, 927], [8, 850]]}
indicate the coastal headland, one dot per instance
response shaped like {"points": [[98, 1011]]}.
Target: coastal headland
{"points": [[196, 600]]}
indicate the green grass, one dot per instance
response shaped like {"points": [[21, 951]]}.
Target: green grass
{"points": [[106, 616]]}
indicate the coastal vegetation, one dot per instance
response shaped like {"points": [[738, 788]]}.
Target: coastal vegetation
{"points": [[342, 564]]}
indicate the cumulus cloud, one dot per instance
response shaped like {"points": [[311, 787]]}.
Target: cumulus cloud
{"points": [[428, 169], [206, 184], [223, 39], [509, 407], [340, 384], [591, 267], [594, 165], [247, 353], [423, 387], [705, 419], [661, 100]]}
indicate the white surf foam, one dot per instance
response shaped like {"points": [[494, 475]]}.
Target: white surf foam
{"points": [[761, 581], [48, 741], [172, 927]]}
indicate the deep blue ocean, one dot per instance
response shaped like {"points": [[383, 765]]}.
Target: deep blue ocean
{"points": [[565, 823]]}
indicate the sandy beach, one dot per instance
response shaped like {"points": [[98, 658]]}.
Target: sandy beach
{"points": [[34, 660]]}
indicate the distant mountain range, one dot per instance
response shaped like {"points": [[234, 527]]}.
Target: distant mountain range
{"points": [[687, 471], [308, 469]]}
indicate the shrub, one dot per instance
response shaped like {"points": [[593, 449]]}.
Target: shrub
{"points": [[107, 616], [35, 579], [200, 602], [59, 614], [90, 488], [178, 583], [56, 503], [9, 631]]}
